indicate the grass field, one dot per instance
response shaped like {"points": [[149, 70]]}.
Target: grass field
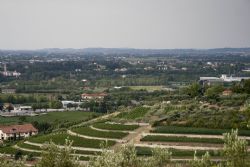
{"points": [[117, 127], [52, 117], [59, 138], [94, 133], [181, 139], [148, 88], [175, 152], [138, 112], [190, 130]]}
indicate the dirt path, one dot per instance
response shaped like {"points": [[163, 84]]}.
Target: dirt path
{"points": [[74, 148], [183, 144], [135, 137], [192, 135], [150, 145], [26, 149], [39, 151]]}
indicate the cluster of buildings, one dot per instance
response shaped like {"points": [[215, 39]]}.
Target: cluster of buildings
{"points": [[93, 96], [7, 73], [223, 78], [85, 97]]}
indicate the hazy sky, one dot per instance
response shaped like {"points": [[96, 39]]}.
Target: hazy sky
{"points": [[33, 24]]}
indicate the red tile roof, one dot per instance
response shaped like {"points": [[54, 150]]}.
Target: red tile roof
{"points": [[25, 128]]}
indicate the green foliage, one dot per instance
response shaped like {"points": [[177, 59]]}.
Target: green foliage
{"points": [[204, 161], [147, 151], [53, 156], [214, 91], [18, 155], [6, 162], [193, 90], [117, 127], [242, 87], [22, 99], [55, 104], [235, 150], [127, 157], [94, 133]]}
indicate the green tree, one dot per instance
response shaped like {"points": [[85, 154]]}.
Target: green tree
{"points": [[204, 161], [214, 91], [193, 90], [53, 156], [126, 157], [56, 104], [235, 150]]}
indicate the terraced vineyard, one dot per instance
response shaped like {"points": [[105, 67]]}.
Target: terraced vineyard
{"points": [[28, 146], [181, 139], [94, 133], [87, 140], [117, 127], [59, 138], [189, 130]]}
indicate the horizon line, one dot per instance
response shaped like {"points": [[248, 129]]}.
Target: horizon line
{"points": [[248, 47]]}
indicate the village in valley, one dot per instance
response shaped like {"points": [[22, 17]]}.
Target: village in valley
{"points": [[90, 98]]}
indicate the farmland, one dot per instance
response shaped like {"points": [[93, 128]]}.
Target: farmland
{"points": [[94, 133], [191, 130], [59, 138], [52, 117], [181, 139], [118, 127]]}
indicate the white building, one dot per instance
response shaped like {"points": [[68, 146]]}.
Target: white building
{"points": [[66, 102], [223, 78], [14, 132]]}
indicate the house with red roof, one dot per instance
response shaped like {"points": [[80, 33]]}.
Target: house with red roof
{"points": [[14, 132]]}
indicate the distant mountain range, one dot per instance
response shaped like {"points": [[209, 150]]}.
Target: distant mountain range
{"points": [[106, 51]]}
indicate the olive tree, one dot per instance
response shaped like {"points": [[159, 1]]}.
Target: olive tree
{"points": [[235, 150], [54, 156]]}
